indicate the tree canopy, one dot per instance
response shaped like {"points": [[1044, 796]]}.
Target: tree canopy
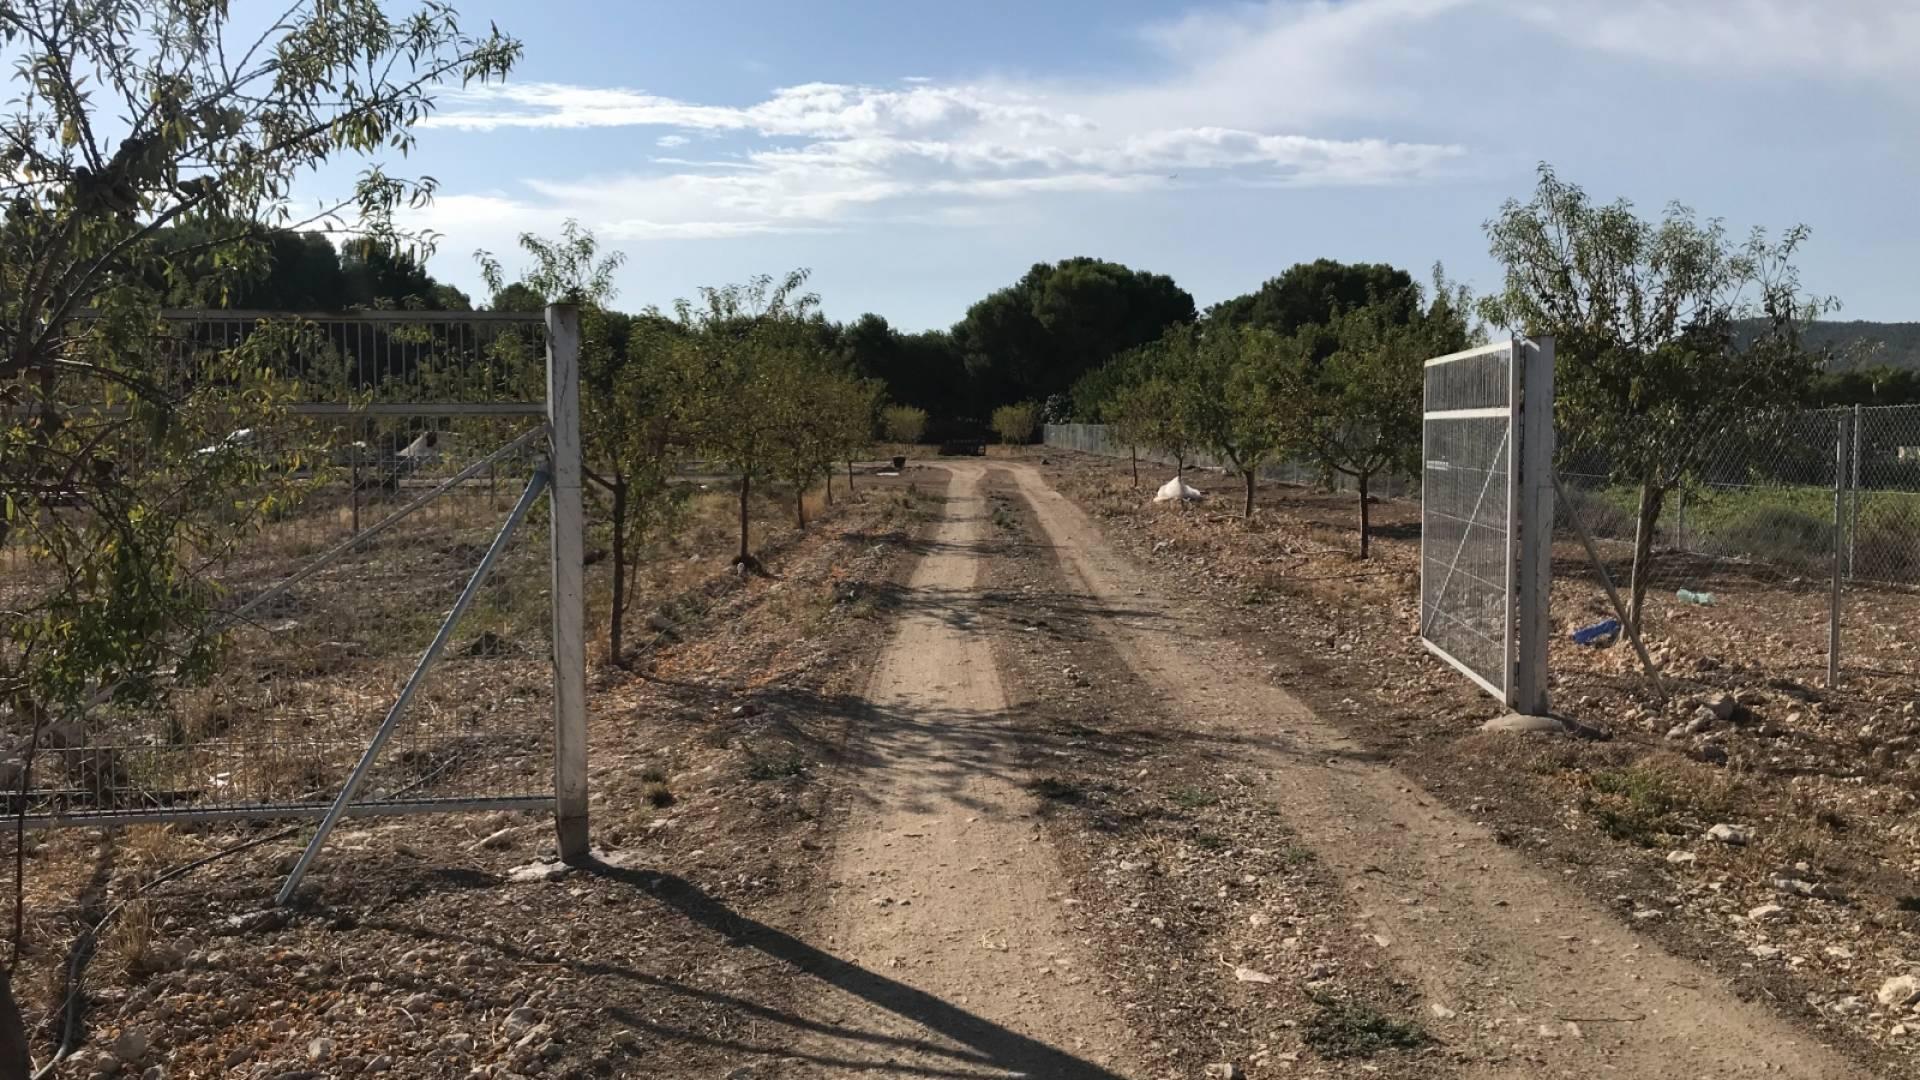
{"points": [[1312, 293], [1038, 336], [1667, 334]]}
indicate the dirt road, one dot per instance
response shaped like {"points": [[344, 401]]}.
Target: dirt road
{"points": [[1538, 980], [941, 880]]}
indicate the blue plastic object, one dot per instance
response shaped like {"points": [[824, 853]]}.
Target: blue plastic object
{"points": [[1599, 633]]}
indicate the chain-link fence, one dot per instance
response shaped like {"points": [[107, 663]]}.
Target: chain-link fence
{"points": [[1099, 439], [1792, 543]]}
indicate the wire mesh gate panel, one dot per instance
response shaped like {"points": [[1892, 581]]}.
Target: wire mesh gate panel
{"points": [[412, 436], [1484, 550]]}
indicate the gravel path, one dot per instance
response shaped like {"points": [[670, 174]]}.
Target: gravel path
{"points": [[1539, 979], [945, 907]]}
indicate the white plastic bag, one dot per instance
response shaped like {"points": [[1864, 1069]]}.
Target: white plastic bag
{"points": [[1177, 489]]}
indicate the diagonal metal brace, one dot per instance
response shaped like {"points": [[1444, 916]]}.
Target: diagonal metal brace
{"points": [[339, 808]]}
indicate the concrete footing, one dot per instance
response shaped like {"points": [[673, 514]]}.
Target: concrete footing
{"points": [[1523, 724]]}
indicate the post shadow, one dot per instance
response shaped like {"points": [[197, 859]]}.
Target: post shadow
{"points": [[997, 1046]]}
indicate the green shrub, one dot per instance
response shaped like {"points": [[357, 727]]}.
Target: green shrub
{"points": [[1774, 533], [1350, 1029], [1016, 423], [1886, 539], [903, 423], [1607, 514]]}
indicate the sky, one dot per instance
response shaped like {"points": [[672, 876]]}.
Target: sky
{"points": [[917, 155]]}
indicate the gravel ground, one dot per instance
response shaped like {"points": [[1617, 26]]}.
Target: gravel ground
{"points": [[1815, 911], [453, 946]]}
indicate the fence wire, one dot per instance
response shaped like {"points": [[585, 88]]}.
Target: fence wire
{"points": [[394, 406], [1099, 439], [1755, 535], [1466, 543]]}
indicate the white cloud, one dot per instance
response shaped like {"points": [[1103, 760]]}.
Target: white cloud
{"points": [[1255, 94], [821, 153], [1835, 39], [820, 110]]}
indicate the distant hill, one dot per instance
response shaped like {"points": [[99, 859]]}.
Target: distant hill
{"points": [[1857, 343]]}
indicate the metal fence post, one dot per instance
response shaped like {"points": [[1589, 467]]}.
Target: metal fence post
{"points": [[1853, 497], [1534, 460], [1839, 549], [569, 600]]}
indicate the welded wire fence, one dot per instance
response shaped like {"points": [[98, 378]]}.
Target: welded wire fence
{"points": [[1797, 532], [403, 440], [1467, 561]]}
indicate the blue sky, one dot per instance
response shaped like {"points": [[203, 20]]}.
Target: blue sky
{"points": [[917, 155]]}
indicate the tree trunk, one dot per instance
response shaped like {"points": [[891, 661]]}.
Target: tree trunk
{"points": [[1652, 497], [829, 485], [1366, 518], [800, 506], [616, 620], [15, 1056], [1135, 452], [1248, 475], [746, 484], [850, 480]]}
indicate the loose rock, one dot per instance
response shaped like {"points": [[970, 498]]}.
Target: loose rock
{"points": [[131, 1046], [1899, 992]]}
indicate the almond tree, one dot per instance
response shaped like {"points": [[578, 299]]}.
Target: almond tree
{"points": [[1358, 406], [821, 413], [1668, 335], [631, 427], [730, 364], [1215, 367]]}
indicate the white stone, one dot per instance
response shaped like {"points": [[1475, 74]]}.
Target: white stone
{"points": [[1898, 992], [1729, 834]]}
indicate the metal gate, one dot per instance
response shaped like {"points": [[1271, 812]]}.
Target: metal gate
{"points": [[1486, 516], [394, 643]]}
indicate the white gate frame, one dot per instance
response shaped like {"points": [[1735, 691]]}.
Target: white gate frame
{"points": [[1529, 448]]}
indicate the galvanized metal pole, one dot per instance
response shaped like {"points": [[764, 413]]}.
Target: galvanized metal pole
{"points": [[1839, 551], [1509, 657], [1535, 461], [355, 448], [1853, 495], [399, 707], [569, 595]]}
